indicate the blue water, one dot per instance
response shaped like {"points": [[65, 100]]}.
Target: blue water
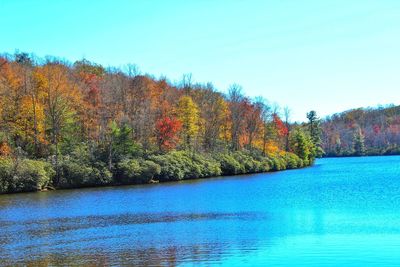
{"points": [[340, 212]]}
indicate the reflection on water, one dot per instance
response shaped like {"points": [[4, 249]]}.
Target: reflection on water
{"points": [[339, 212], [42, 228]]}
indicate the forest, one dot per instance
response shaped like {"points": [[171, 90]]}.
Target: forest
{"points": [[362, 132], [70, 125]]}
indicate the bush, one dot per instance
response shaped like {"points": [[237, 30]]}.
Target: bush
{"points": [[229, 165], [265, 164], [250, 164], [24, 175], [81, 168], [77, 174], [135, 171], [6, 168], [172, 166], [179, 165], [292, 161], [207, 165], [241, 162], [277, 162]]}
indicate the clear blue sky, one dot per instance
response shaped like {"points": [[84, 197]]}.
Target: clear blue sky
{"points": [[328, 55]]}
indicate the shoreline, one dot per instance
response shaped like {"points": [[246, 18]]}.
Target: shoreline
{"points": [[153, 183], [361, 156], [158, 182]]}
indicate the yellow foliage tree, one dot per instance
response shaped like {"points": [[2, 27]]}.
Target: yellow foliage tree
{"points": [[62, 100], [61, 97], [11, 90], [30, 122], [188, 114]]}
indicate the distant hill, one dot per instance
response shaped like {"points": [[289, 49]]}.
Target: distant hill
{"points": [[362, 131]]}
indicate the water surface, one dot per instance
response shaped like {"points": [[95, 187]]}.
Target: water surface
{"points": [[342, 211]]}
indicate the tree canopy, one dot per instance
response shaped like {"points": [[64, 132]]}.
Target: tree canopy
{"points": [[90, 125]]}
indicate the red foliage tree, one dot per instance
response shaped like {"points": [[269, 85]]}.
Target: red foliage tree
{"points": [[377, 129], [167, 129], [280, 126], [92, 82]]}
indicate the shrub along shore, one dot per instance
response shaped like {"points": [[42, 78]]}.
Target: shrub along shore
{"points": [[27, 175]]}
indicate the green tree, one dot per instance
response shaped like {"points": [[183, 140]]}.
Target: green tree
{"points": [[358, 143], [314, 127], [120, 144], [303, 146]]}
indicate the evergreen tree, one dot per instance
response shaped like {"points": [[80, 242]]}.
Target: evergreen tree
{"points": [[358, 143], [302, 145], [314, 127]]}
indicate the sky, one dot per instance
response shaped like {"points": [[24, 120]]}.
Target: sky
{"points": [[328, 56]]}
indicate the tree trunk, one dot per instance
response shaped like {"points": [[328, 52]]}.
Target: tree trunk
{"points": [[110, 154]]}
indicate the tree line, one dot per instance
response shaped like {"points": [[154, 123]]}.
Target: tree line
{"points": [[65, 125], [362, 131]]}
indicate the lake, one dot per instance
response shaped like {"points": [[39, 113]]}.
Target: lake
{"points": [[341, 211]]}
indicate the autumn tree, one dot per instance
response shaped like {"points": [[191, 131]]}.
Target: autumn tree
{"points": [[266, 118], [237, 111], [276, 133], [142, 99], [89, 77], [188, 113], [5, 149], [214, 114], [61, 100], [22, 111], [252, 121], [167, 130], [11, 86]]}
